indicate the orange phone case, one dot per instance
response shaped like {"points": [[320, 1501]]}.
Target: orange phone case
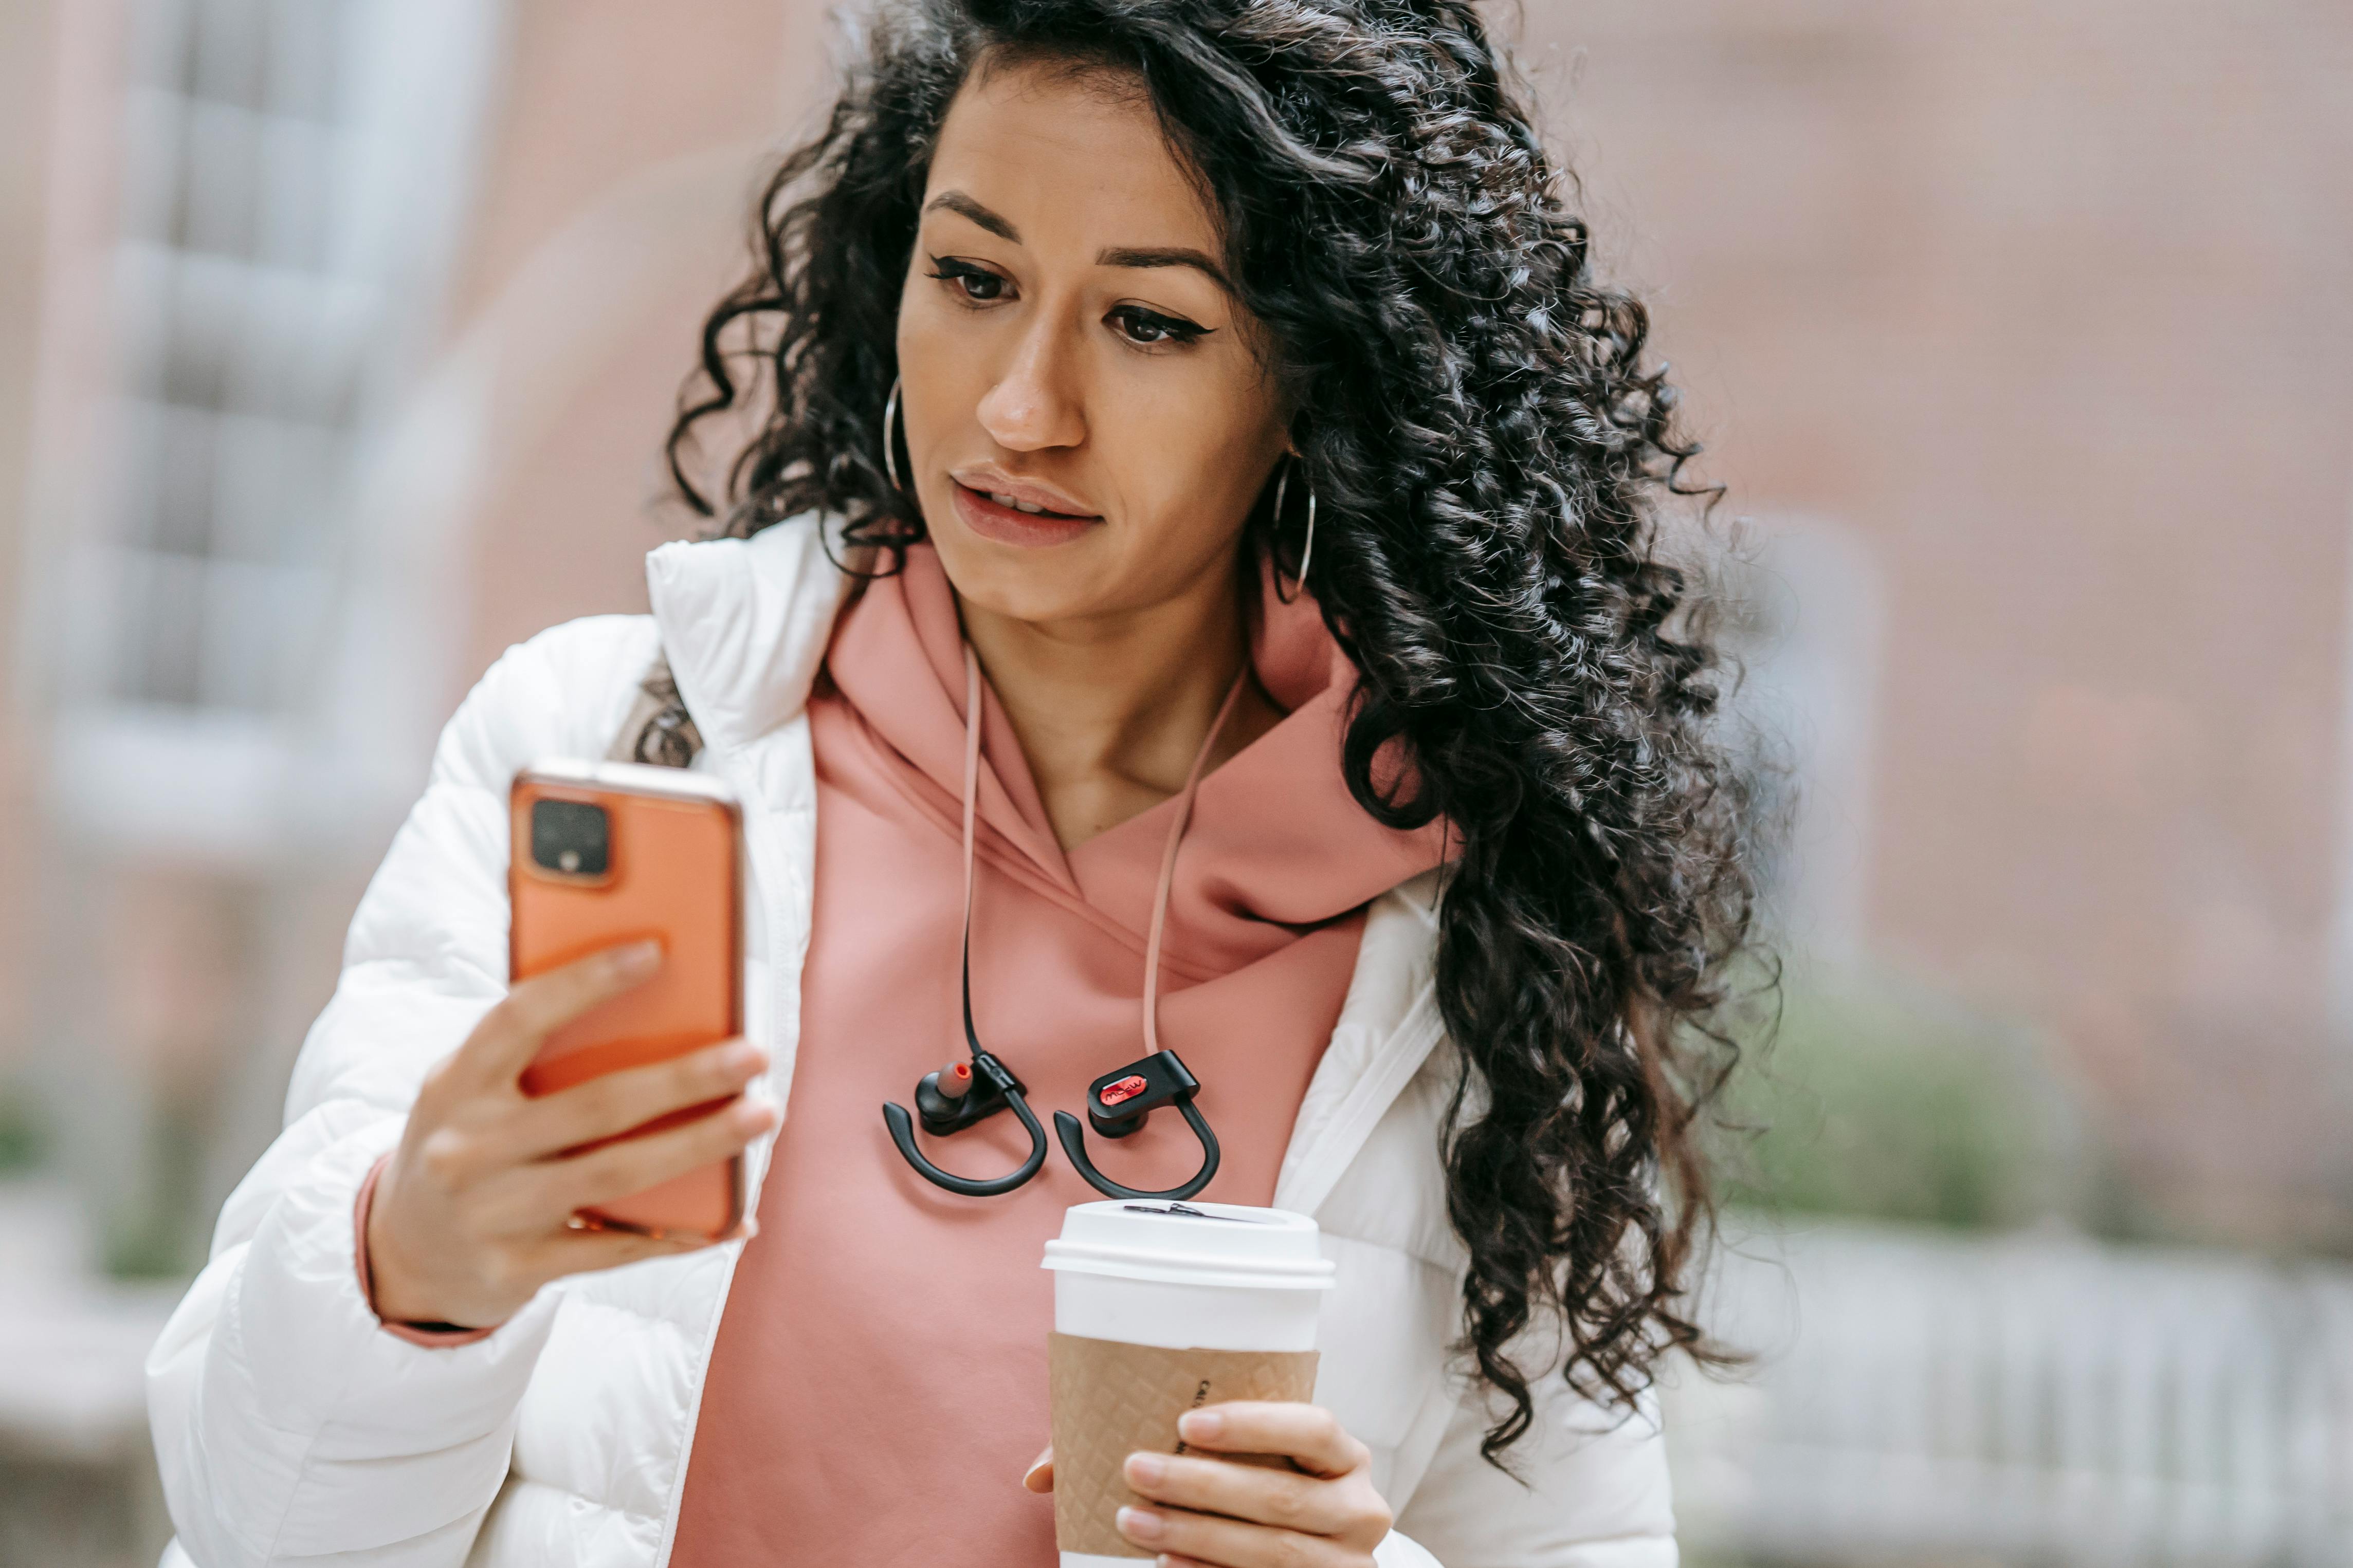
{"points": [[671, 874]]}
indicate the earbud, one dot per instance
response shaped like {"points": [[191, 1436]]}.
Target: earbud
{"points": [[954, 1097], [964, 1093], [1119, 1103]]}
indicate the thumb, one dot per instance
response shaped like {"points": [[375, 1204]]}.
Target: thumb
{"points": [[1039, 1477]]}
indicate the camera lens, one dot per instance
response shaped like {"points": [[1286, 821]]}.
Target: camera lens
{"points": [[570, 837]]}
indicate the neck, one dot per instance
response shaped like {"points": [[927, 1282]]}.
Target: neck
{"points": [[1111, 709]]}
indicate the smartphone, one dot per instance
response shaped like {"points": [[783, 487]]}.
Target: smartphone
{"points": [[606, 853]]}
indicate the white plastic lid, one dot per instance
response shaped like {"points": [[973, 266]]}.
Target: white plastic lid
{"points": [[1192, 1244]]}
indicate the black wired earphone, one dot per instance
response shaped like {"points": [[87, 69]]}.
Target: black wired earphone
{"points": [[964, 1094]]}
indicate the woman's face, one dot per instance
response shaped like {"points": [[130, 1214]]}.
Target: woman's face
{"points": [[1066, 341]]}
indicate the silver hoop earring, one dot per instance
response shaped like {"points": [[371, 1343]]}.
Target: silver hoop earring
{"points": [[1307, 546], [890, 447]]}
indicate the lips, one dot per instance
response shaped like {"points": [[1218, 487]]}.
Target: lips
{"points": [[993, 520]]}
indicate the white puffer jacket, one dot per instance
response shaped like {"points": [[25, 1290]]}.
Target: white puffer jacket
{"points": [[290, 1429]]}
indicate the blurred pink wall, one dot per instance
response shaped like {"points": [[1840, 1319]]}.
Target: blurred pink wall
{"points": [[2049, 303], [617, 107]]}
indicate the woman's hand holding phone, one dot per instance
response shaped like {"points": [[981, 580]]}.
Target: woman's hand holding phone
{"points": [[472, 1212]]}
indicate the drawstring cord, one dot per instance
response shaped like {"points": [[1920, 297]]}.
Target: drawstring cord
{"points": [[972, 711]]}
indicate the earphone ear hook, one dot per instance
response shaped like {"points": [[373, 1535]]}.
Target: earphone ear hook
{"points": [[1118, 1102], [997, 1089], [1074, 1144], [992, 1085]]}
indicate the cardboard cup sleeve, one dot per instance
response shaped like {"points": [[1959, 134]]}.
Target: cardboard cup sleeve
{"points": [[1112, 1399]]}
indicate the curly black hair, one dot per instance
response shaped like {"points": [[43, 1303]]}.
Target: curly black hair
{"points": [[1491, 450]]}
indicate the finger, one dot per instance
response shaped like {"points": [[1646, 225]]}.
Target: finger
{"points": [[510, 1034], [1306, 1435], [1039, 1476], [586, 1251], [1284, 1499], [1230, 1543], [557, 1187], [617, 1101]]}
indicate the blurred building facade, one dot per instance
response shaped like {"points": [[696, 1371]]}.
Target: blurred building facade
{"points": [[338, 338], [2043, 309], [343, 334], [355, 324]]}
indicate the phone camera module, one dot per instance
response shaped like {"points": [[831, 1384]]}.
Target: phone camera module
{"points": [[570, 838]]}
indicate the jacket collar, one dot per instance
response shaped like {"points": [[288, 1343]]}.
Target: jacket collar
{"points": [[1389, 1026], [745, 623]]}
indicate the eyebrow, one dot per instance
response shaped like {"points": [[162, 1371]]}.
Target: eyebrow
{"points": [[964, 207], [1169, 256]]}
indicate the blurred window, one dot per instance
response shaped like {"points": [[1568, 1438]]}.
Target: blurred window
{"points": [[1801, 614], [292, 173], [246, 337]]}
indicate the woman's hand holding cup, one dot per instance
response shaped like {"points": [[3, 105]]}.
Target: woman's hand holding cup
{"points": [[472, 1212], [1323, 1512]]}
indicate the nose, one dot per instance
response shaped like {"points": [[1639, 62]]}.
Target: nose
{"points": [[1038, 402]]}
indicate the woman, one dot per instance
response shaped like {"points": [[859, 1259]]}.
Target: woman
{"points": [[1209, 401]]}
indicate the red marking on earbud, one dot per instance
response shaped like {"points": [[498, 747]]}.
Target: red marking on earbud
{"points": [[1127, 1088], [953, 1081]]}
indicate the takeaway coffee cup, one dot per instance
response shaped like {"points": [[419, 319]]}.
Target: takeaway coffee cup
{"points": [[1159, 1307]]}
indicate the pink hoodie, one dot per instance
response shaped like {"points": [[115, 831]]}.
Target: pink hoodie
{"points": [[879, 1380]]}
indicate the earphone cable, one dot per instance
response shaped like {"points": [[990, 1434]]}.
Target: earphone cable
{"points": [[1167, 881]]}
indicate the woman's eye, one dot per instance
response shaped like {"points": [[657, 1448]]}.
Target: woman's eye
{"points": [[1149, 328], [974, 283]]}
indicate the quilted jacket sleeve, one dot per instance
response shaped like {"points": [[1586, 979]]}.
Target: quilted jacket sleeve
{"points": [[1596, 1492], [289, 1426]]}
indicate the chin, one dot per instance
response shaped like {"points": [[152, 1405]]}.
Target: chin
{"points": [[1062, 582]]}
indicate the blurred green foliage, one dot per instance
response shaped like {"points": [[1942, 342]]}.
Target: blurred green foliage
{"points": [[22, 1144], [159, 1232], [157, 1227], [1881, 1099]]}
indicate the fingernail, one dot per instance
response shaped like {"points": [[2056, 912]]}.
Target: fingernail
{"points": [[1201, 1425], [1141, 1524], [1146, 1469], [637, 958], [744, 1057]]}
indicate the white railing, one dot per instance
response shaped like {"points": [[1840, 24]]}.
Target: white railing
{"points": [[2027, 1399], [77, 1484]]}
